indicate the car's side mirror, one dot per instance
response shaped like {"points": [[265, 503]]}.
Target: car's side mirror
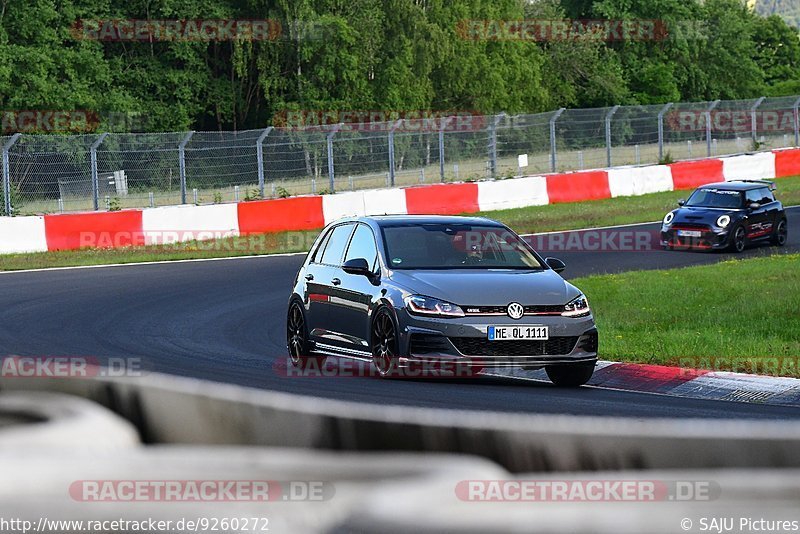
{"points": [[754, 206], [681, 202], [357, 266], [555, 264]]}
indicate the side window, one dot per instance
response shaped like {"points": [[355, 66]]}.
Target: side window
{"points": [[766, 195], [363, 246], [753, 195], [321, 248], [334, 250]]}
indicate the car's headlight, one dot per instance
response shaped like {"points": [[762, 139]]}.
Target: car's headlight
{"points": [[669, 217], [723, 221], [419, 305], [578, 307]]}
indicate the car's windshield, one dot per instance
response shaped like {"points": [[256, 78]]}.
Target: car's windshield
{"points": [[456, 246], [711, 197]]}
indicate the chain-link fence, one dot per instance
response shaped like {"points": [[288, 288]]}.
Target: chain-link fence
{"points": [[58, 173]]}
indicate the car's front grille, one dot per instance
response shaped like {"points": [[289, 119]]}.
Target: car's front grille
{"points": [[476, 346], [502, 310]]}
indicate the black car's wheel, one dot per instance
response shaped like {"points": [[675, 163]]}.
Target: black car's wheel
{"points": [[738, 239], [297, 339], [781, 233], [384, 343], [570, 375]]}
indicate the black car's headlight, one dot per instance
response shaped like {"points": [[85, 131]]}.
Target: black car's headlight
{"points": [[723, 221], [669, 217], [430, 307], [578, 307]]}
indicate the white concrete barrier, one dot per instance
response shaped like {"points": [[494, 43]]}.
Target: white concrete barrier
{"points": [[175, 224], [183, 410], [749, 166], [513, 193], [22, 234], [340, 205], [385, 202], [634, 181], [35, 420]]}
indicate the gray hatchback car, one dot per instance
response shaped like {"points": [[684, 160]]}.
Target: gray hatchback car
{"points": [[410, 292]]}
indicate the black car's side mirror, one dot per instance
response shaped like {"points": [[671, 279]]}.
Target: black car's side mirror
{"points": [[555, 264], [681, 202], [357, 266], [754, 206]]}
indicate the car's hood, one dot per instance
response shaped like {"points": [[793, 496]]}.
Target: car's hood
{"points": [[488, 287], [701, 215]]}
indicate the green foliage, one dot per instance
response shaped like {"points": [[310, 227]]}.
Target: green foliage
{"points": [[253, 194], [667, 159], [114, 204], [383, 55], [281, 192]]}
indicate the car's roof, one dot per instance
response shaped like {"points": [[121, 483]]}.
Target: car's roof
{"points": [[736, 185], [390, 220]]}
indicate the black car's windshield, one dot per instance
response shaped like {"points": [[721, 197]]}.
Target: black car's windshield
{"points": [[456, 246], [711, 197]]}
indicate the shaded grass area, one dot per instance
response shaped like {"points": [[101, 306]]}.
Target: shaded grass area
{"points": [[554, 217], [740, 315]]}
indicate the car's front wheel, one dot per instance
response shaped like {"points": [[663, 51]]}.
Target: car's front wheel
{"points": [[297, 340], [781, 234], [384, 343], [738, 239], [570, 375]]}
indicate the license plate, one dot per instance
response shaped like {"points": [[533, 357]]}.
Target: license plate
{"points": [[689, 233], [518, 333]]}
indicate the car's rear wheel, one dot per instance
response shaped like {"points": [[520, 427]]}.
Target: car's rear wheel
{"points": [[738, 239], [781, 234], [297, 340], [384, 344], [570, 375]]}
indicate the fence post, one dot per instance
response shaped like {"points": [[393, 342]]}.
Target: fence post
{"points": [[95, 178], [753, 120], [796, 109], [182, 164], [553, 120], [331, 172], [661, 130], [713, 105], [610, 114], [441, 146], [7, 174], [493, 144], [395, 126], [260, 156]]}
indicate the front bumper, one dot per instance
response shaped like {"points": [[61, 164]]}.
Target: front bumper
{"points": [[711, 238], [464, 342]]}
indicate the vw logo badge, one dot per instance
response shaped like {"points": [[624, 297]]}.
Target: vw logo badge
{"points": [[515, 310]]}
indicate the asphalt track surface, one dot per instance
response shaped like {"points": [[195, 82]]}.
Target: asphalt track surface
{"points": [[225, 321]]}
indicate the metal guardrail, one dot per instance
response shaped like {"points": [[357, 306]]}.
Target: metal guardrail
{"points": [[58, 173]]}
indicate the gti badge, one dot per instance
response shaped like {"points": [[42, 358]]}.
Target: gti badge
{"points": [[515, 310]]}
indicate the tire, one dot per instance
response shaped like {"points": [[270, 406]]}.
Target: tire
{"points": [[738, 239], [570, 375], [297, 340], [384, 343], [781, 234]]}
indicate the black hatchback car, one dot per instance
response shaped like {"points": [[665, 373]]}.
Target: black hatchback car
{"points": [[726, 215], [435, 292]]}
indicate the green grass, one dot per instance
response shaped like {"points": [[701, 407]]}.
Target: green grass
{"points": [[554, 217], [740, 315]]}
